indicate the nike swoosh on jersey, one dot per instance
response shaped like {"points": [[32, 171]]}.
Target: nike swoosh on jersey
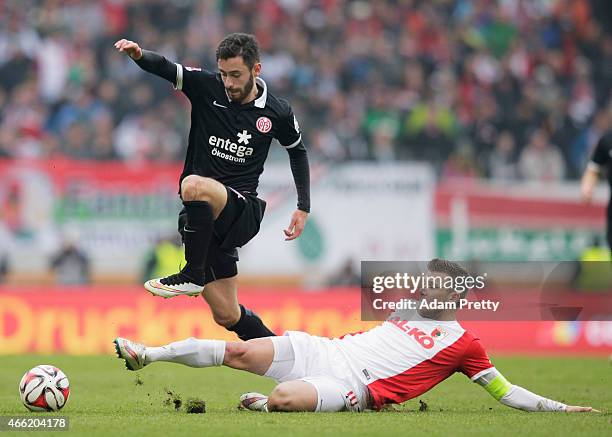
{"points": [[219, 105]]}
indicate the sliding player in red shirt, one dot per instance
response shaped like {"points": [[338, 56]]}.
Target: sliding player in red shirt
{"points": [[391, 363]]}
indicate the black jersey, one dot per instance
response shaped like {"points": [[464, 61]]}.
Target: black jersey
{"points": [[602, 156], [229, 141]]}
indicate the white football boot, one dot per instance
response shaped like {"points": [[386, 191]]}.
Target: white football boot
{"points": [[178, 284], [254, 402], [133, 353]]}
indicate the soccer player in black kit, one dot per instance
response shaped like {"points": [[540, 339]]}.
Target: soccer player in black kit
{"points": [[233, 121], [601, 160]]}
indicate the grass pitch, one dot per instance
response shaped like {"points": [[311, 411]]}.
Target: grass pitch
{"points": [[106, 400]]}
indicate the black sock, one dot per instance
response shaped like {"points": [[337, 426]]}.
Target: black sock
{"points": [[198, 232], [250, 326]]}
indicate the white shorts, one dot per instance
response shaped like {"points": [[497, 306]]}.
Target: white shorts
{"points": [[318, 361]]}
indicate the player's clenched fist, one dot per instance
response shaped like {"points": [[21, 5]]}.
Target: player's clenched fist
{"points": [[132, 49]]}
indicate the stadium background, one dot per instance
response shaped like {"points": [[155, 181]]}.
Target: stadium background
{"points": [[449, 128]]}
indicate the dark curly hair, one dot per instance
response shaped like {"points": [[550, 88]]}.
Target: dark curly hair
{"points": [[239, 44]]}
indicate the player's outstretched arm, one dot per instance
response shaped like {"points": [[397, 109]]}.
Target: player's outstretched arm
{"points": [[517, 397], [148, 61]]}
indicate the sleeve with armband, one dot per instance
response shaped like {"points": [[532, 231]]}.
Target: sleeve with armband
{"points": [[477, 366], [515, 396]]}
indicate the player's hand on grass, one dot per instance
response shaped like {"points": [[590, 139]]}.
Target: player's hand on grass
{"points": [[132, 49], [577, 409], [298, 221]]}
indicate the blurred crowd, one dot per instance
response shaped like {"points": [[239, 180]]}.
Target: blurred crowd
{"points": [[506, 89]]}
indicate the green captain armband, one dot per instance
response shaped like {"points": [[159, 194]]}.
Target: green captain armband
{"points": [[498, 386]]}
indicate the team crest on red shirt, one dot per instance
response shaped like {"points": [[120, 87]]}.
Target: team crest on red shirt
{"points": [[263, 125], [438, 333]]}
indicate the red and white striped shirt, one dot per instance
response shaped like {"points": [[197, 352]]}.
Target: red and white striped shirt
{"points": [[402, 359]]}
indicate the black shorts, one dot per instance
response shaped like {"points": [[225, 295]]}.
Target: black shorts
{"points": [[237, 224]]}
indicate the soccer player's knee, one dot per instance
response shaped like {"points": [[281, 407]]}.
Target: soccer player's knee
{"points": [[195, 187], [281, 398], [236, 354], [189, 187]]}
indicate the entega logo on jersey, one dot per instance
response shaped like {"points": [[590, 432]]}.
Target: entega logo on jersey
{"points": [[236, 152]]}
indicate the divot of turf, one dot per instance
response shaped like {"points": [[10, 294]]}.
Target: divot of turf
{"points": [[194, 405], [173, 399]]}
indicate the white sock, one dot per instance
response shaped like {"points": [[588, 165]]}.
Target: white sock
{"points": [[191, 352]]}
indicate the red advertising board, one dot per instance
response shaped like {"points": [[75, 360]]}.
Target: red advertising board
{"points": [[106, 175], [523, 206], [85, 320]]}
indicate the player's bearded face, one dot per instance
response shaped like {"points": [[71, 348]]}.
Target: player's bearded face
{"points": [[238, 78], [238, 94]]}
